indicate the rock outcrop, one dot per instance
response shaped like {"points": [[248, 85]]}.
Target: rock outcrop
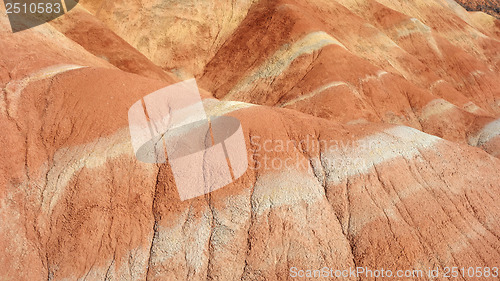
{"points": [[491, 7]]}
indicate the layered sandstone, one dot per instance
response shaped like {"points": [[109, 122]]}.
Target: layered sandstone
{"points": [[372, 132]]}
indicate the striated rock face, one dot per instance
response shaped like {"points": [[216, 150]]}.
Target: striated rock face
{"points": [[96, 38], [372, 131], [179, 36]]}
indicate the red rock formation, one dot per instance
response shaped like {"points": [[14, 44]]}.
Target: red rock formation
{"points": [[372, 130]]}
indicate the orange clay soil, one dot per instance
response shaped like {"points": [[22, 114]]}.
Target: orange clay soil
{"points": [[372, 132]]}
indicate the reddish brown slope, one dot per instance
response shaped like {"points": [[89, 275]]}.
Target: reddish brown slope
{"points": [[397, 70], [92, 211], [76, 204]]}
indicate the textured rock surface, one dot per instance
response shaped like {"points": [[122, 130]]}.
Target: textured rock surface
{"points": [[372, 130], [491, 7]]}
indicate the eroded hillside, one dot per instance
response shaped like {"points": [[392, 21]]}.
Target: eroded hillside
{"points": [[372, 131]]}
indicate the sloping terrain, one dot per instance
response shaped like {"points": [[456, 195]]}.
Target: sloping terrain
{"points": [[372, 130]]}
